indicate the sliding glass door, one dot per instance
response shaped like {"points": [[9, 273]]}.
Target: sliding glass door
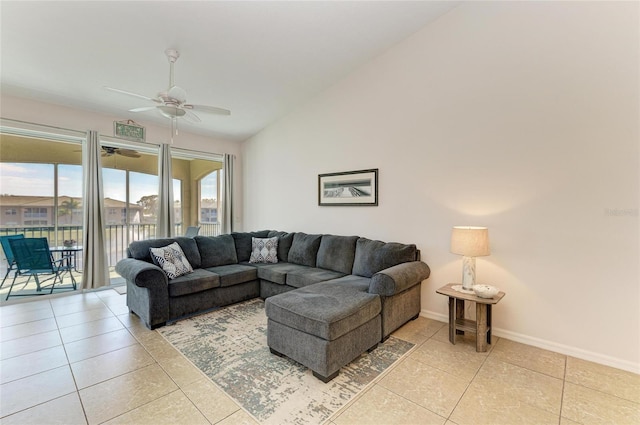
{"points": [[199, 199], [41, 190]]}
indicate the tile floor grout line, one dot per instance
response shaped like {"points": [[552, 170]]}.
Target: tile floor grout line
{"points": [[68, 366], [375, 381], [66, 354], [40, 404], [604, 393], [145, 404], [444, 371], [472, 379], [73, 376], [413, 402], [24, 336], [564, 383], [34, 351]]}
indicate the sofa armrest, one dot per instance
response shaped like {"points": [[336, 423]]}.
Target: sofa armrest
{"points": [[143, 274], [398, 278]]}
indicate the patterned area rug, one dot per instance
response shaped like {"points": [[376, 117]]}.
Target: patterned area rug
{"points": [[230, 346]]}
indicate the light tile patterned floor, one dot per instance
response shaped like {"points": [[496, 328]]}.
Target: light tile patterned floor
{"points": [[82, 359]]}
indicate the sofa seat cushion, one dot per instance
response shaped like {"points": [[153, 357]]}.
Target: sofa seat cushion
{"points": [[277, 273], [326, 310], [309, 276], [234, 274], [198, 281]]}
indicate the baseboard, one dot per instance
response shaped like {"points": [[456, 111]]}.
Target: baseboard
{"points": [[549, 345]]}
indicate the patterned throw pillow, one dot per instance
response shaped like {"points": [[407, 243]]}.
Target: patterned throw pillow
{"points": [[264, 250], [172, 260]]}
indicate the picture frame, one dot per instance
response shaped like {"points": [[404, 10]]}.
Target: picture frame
{"points": [[349, 188], [129, 130]]}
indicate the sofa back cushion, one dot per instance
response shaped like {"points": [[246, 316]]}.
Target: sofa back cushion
{"points": [[304, 249], [216, 250], [284, 244], [140, 249], [337, 253], [373, 256], [243, 243]]}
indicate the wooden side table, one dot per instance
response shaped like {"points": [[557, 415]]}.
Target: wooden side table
{"points": [[459, 325]]}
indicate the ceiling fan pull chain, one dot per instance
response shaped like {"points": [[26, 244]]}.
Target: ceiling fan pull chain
{"points": [[170, 75]]}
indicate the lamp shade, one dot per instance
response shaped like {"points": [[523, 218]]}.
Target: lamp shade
{"points": [[470, 241]]}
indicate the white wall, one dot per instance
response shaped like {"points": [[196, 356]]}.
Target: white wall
{"points": [[33, 111], [519, 116]]}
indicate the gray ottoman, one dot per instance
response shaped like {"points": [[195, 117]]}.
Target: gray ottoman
{"points": [[324, 326]]}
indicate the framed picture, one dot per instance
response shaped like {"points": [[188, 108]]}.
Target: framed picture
{"points": [[352, 188], [128, 130]]}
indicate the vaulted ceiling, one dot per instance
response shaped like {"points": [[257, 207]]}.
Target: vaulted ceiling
{"points": [[259, 59]]}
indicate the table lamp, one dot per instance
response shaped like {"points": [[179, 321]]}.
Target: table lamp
{"points": [[470, 242]]}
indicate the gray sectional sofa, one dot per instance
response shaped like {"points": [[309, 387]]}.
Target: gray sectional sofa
{"points": [[328, 298]]}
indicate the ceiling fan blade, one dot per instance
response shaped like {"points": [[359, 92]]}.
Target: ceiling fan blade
{"points": [[209, 109], [128, 152], [143, 109], [128, 93], [191, 117]]}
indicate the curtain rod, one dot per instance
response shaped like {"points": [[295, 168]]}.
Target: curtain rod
{"points": [[114, 140], [42, 125], [25, 127]]}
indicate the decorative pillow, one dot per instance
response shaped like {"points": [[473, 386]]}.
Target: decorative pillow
{"points": [[172, 260], [264, 250]]}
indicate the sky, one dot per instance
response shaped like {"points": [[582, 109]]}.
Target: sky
{"points": [[37, 180]]}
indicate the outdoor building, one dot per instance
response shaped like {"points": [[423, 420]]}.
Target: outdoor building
{"points": [[18, 211]]}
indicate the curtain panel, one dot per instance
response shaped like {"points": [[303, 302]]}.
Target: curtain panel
{"points": [[165, 227], [227, 197], [95, 271]]}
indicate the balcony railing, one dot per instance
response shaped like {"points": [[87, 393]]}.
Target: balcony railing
{"points": [[118, 236]]}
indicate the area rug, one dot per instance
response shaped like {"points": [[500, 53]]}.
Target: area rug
{"points": [[230, 346]]}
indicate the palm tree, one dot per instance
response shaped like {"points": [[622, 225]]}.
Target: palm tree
{"points": [[68, 207]]}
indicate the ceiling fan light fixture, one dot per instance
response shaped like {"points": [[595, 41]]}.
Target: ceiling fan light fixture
{"points": [[177, 93], [171, 111]]}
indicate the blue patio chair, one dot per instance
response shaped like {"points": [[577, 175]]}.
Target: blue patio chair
{"points": [[192, 231], [34, 259], [8, 253]]}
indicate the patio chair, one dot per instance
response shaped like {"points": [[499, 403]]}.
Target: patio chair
{"points": [[34, 259], [11, 262], [192, 231]]}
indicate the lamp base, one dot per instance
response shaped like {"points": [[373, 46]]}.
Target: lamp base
{"points": [[468, 272]]}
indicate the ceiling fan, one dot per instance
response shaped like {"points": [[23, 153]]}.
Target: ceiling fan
{"points": [[110, 151], [172, 103]]}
